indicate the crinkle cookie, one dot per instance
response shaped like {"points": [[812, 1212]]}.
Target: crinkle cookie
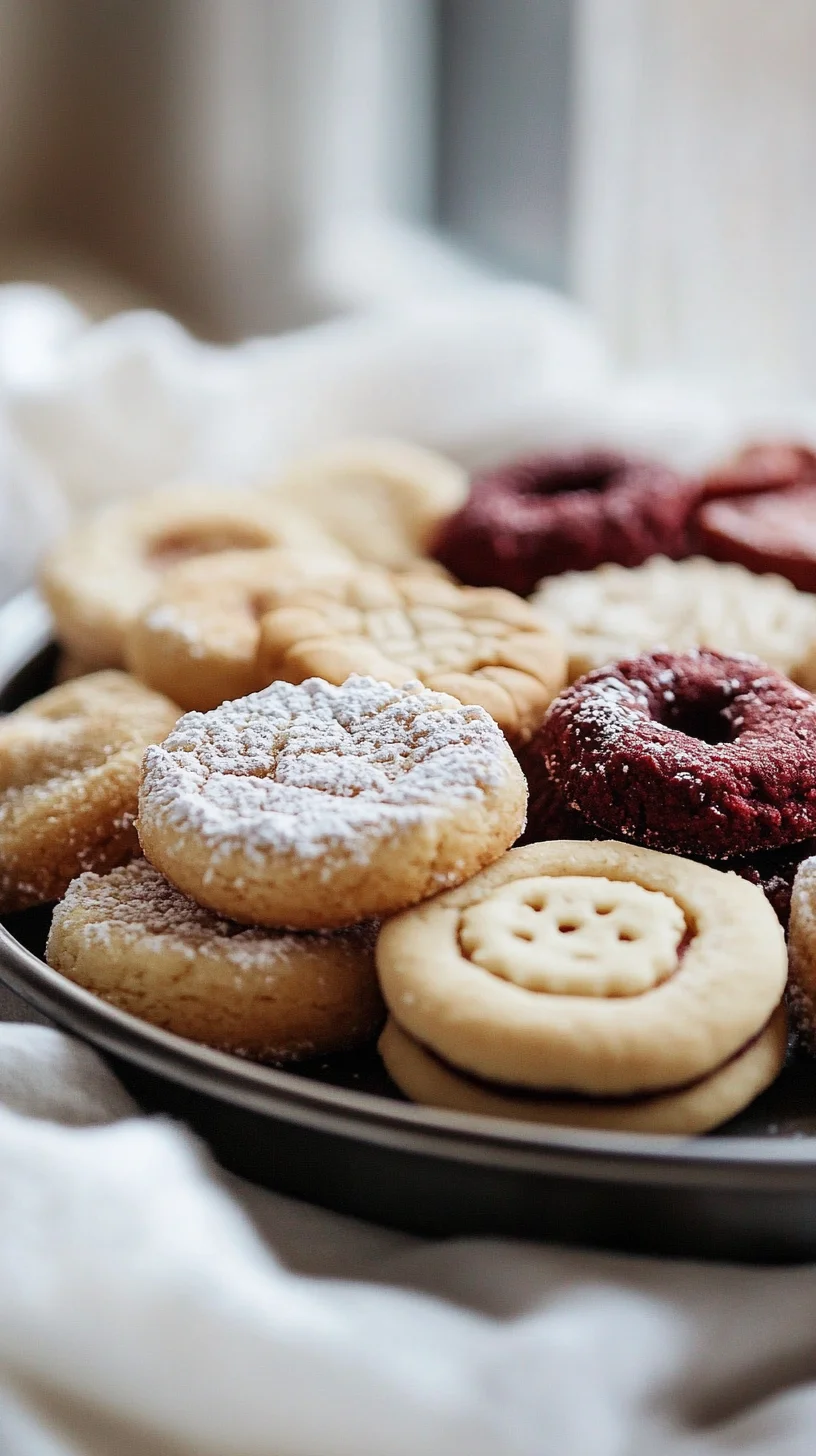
{"points": [[131, 938], [566, 511], [697, 1108], [199, 635], [695, 753], [615, 612], [382, 499], [481, 646], [70, 763], [598, 969], [319, 806], [101, 574]]}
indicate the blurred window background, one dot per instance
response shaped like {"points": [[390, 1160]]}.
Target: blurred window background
{"points": [[184, 150], [252, 165]]}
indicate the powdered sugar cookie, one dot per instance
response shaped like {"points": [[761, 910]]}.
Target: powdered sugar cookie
{"points": [[380, 498], [104, 571], [69, 780], [480, 645], [318, 806], [696, 1108], [594, 968], [199, 635], [614, 612], [131, 938]]}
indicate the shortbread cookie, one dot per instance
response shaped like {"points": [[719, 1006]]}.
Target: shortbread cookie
{"points": [[70, 763], [696, 1108], [597, 968], [103, 572], [318, 806], [480, 646], [199, 636], [615, 612], [382, 499], [131, 938]]}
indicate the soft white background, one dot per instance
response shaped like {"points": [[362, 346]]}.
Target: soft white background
{"points": [[149, 1304]]}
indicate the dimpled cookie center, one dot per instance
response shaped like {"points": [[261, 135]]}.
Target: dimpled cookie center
{"points": [[575, 935], [205, 538]]}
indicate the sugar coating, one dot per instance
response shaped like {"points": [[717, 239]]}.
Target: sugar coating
{"points": [[615, 612], [310, 768], [136, 906]]}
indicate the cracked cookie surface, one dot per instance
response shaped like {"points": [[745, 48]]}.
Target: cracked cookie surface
{"points": [[316, 806], [479, 645]]}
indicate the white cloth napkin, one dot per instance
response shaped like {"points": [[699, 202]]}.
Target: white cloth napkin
{"points": [[149, 1303]]}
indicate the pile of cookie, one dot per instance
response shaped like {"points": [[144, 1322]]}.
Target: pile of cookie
{"points": [[278, 789]]}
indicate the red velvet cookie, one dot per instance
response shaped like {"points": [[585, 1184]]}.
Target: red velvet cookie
{"points": [[566, 512], [696, 753], [760, 511], [551, 817]]}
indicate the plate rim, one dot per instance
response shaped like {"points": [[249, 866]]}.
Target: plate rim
{"points": [[770, 1164]]}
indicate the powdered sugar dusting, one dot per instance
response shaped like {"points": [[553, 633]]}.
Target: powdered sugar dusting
{"points": [[136, 906], [308, 768]]}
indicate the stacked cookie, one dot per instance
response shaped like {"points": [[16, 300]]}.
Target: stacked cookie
{"points": [[589, 985], [306, 813]]}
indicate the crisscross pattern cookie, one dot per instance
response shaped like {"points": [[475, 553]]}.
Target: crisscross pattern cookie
{"points": [[481, 646]]}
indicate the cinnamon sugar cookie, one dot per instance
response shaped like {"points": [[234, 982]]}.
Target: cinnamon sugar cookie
{"points": [[69, 781], [685, 1111], [319, 806], [593, 968], [103, 572], [199, 635], [481, 646], [614, 612], [380, 498], [131, 938]]}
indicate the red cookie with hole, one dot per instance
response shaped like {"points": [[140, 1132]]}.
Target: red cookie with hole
{"points": [[697, 753], [566, 512], [760, 511], [551, 817]]}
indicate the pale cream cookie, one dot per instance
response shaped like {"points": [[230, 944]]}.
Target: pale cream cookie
{"points": [[802, 951], [597, 968], [696, 1108], [100, 575], [616, 612], [199, 635], [70, 763], [480, 645], [131, 938], [318, 806], [380, 498]]}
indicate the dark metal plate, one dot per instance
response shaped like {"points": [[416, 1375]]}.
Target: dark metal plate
{"points": [[338, 1133]]}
